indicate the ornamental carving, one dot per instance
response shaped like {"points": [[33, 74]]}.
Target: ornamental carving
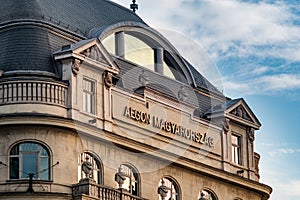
{"points": [[87, 168], [250, 133], [93, 53], [120, 177], [241, 113], [107, 79], [226, 125], [144, 78], [182, 94], [163, 190], [75, 66]]}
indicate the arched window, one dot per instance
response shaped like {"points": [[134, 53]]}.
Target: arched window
{"points": [[29, 158], [89, 167], [168, 189], [131, 181], [206, 194], [139, 51]]}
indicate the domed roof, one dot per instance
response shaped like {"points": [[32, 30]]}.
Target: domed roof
{"points": [[26, 29], [75, 15]]}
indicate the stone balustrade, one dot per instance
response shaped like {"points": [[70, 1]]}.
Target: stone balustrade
{"points": [[95, 191], [12, 92]]}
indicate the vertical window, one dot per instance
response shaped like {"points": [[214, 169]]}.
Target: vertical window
{"points": [[89, 96], [171, 188], [236, 149], [131, 182], [206, 195], [29, 158], [89, 167]]}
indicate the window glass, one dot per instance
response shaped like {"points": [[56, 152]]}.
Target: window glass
{"points": [[88, 96], [29, 158], [137, 51], [109, 43], [236, 149]]}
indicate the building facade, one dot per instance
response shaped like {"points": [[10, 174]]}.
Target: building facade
{"points": [[95, 104]]}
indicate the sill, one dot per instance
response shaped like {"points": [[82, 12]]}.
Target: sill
{"points": [[27, 180]]}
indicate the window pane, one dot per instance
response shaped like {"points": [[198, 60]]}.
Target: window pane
{"points": [[236, 149], [43, 152], [29, 164], [44, 169], [14, 168], [88, 96], [15, 150], [139, 52], [29, 157], [29, 147]]}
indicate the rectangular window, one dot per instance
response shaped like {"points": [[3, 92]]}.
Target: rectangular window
{"points": [[236, 149], [89, 96]]}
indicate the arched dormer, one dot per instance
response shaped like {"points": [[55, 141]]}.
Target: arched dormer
{"points": [[145, 47]]}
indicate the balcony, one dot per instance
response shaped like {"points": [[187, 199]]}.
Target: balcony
{"points": [[87, 189], [16, 92]]}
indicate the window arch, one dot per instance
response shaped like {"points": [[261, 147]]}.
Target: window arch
{"points": [[131, 179], [206, 194], [89, 167], [144, 51], [29, 158], [168, 189]]}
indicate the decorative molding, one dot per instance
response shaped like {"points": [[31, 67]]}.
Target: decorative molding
{"points": [[94, 53], [107, 79], [182, 93], [241, 113], [144, 78], [75, 66], [250, 133], [225, 124]]}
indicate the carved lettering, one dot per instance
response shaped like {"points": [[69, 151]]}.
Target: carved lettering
{"points": [[168, 126]]}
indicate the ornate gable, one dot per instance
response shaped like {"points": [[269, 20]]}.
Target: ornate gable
{"points": [[89, 51], [239, 111]]}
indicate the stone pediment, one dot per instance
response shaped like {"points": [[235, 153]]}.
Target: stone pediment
{"points": [[239, 111], [90, 51]]}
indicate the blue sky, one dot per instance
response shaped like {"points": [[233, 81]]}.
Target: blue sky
{"points": [[254, 46]]}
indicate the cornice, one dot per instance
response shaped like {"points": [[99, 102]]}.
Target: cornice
{"points": [[92, 131]]}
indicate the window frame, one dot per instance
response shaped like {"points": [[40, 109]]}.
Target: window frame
{"points": [[209, 192], [236, 149], [174, 184], [96, 161], [91, 106], [20, 171], [136, 181]]}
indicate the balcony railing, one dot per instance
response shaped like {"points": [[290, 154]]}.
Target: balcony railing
{"points": [[33, 92], [101, 192]]}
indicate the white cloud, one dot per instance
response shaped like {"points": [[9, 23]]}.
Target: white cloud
{"points": [[265, 84], [283, 151], [233, 29], [279, 82], [291, 188]]}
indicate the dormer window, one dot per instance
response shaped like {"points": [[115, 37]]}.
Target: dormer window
{"points": [[142, 52]]}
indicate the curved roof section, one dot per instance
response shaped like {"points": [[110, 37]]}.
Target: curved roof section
{"points": [[76, 15], [26, 29]]}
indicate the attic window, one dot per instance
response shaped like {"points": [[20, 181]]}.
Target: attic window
{"points": [[138, 50]]}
